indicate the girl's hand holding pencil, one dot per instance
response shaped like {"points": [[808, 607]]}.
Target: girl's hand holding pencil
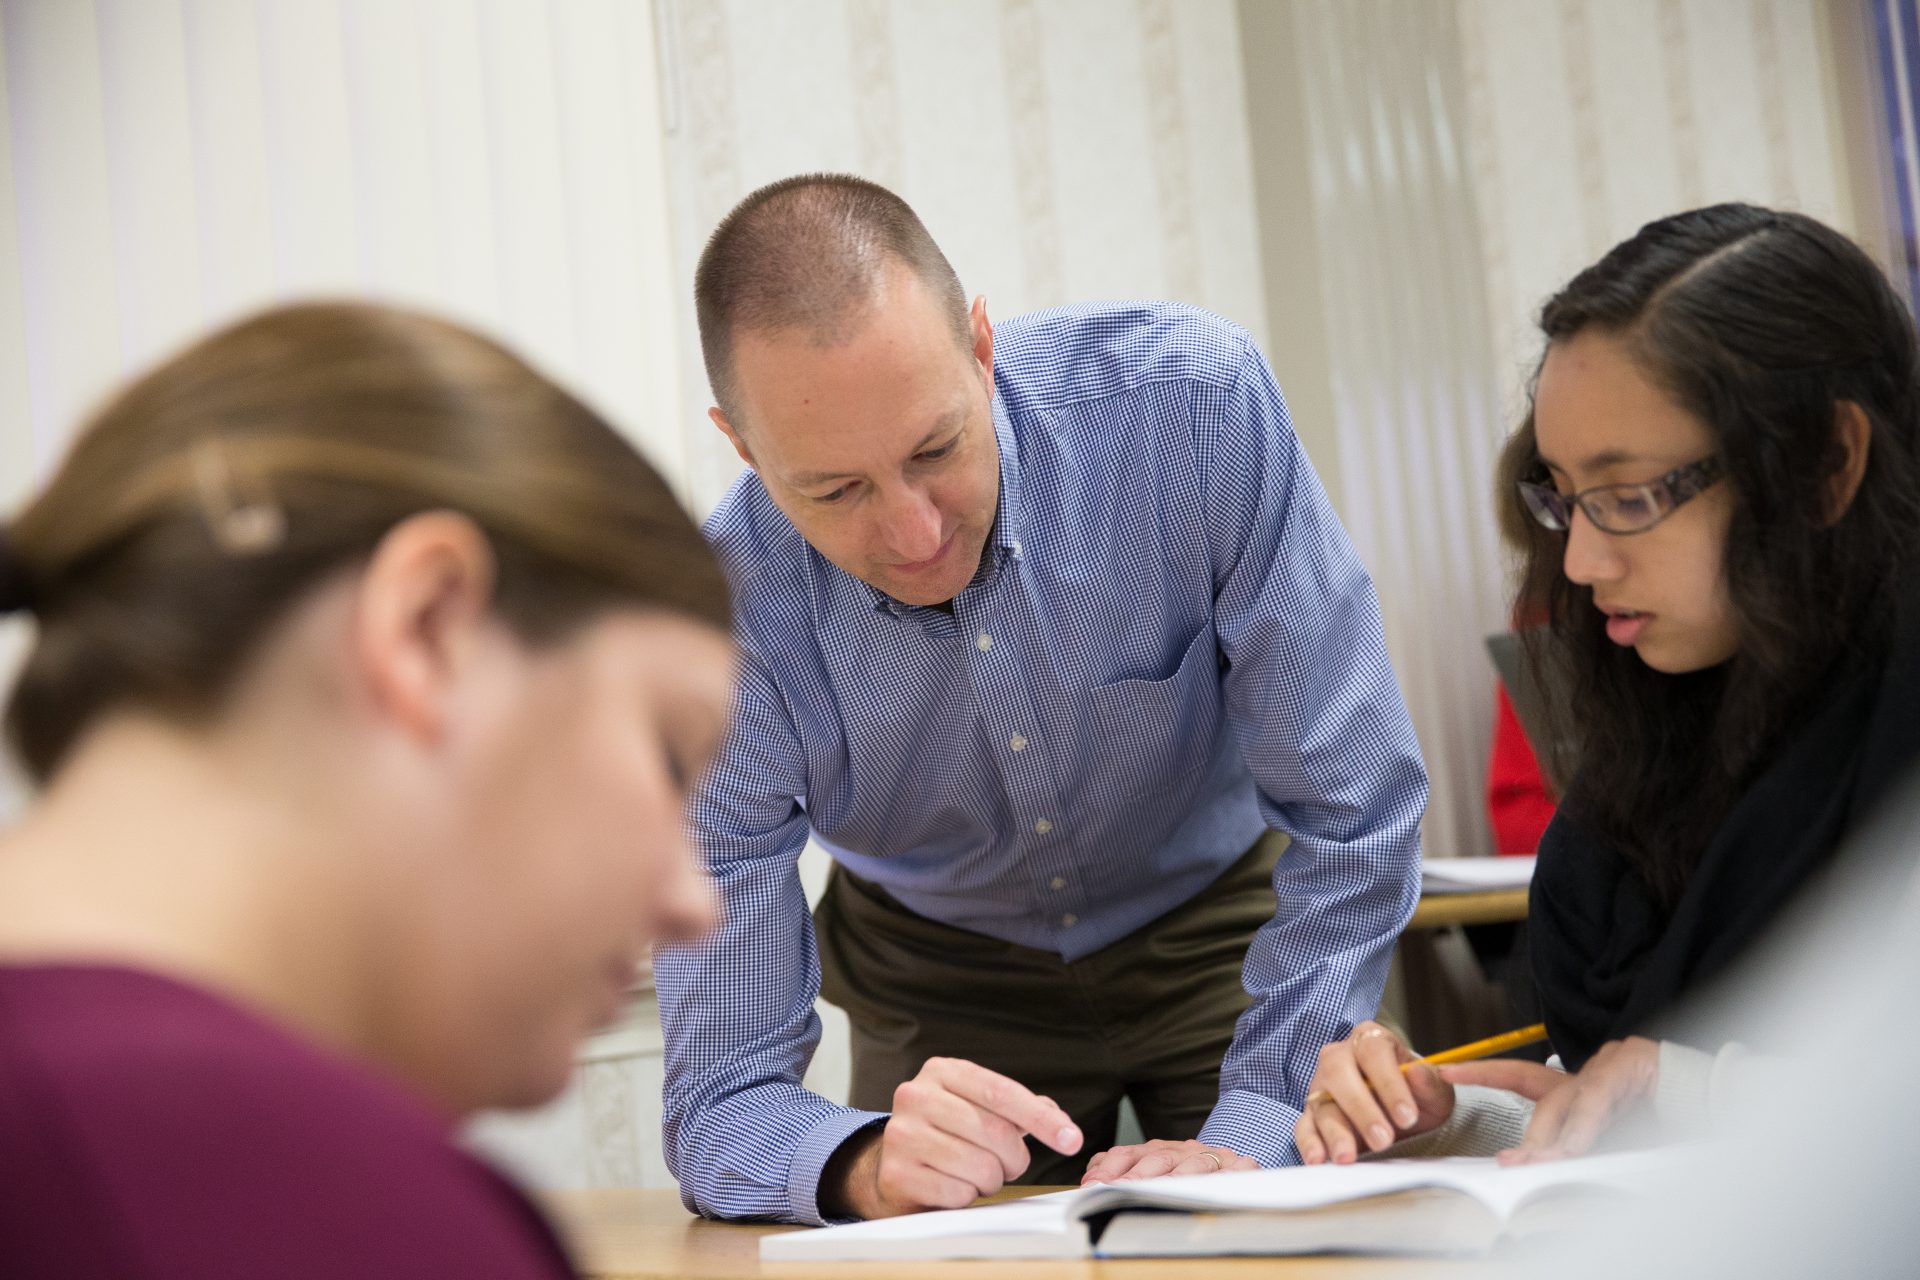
{"points": [[1372, 1089]]}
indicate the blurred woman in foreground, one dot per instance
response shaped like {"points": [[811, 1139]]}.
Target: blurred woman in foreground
{"points": [[370, 673]]}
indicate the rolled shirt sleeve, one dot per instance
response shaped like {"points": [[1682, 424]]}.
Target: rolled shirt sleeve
{"points": [[742, 1135]]}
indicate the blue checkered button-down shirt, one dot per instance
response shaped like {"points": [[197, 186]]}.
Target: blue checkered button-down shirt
{"points": [[1170, 646]]}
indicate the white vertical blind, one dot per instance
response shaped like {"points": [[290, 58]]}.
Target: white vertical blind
{"points": [[1058, 150], [1688, 102], [1405, 309], [168, 165], [174, 163]]}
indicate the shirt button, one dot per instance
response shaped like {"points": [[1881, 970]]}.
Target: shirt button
{"points": [[1017, 548], [1017, 742], [983, 642], [1057, 883], [1069, 920], [1043, 826]]}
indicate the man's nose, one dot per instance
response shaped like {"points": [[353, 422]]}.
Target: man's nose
{"points": [[912, 530]]}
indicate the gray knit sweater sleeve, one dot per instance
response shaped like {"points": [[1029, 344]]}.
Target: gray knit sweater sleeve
{"points": [[1484, 1122]]}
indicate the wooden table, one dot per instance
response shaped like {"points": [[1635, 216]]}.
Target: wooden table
{"points": [[646, 1235], [1493, 906]]}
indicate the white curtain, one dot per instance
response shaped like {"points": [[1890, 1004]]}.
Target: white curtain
{"points": [[1058, 150], [174, 163], [171, 164], [1416, 408], [1588, 118]]}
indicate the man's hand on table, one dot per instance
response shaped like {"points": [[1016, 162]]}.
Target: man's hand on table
{"points": [[955, 1135], [1162, 1156]]}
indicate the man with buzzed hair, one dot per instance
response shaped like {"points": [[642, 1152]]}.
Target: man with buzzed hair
{"points": [[1046, 637]]}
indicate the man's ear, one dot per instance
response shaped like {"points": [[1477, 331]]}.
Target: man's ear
{"points": [[1853, 432], [423, 600], [982, 329], [727, 430]]}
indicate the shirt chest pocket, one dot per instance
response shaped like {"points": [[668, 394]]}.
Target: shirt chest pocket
{"points": [[1153, 732]]}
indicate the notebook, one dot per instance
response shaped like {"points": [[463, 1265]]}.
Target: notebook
{"points": [[1435, 1207]]}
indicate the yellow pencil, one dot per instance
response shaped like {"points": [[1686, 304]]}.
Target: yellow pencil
{"points": [[1464, 1053], [1485, 1048]]}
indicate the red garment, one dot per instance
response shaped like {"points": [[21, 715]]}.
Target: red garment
{"points": [[152, 1131], [1519, 805]]}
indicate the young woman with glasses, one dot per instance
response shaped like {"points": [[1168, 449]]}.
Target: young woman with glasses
{"points": [[1720, 473]]}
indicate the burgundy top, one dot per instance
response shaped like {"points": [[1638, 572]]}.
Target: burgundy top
{"points": [[151, 1130]]}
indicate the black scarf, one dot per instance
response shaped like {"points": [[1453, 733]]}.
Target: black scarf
{"points": [[1608, 961]]}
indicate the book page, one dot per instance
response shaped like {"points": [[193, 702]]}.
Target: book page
{"points": [[1505, 1190], [1055, 1226], [1311, 1186], [1039, 1227], [1424, 1221]]}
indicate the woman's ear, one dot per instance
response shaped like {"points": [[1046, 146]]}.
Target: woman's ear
{"points": [[1854, 434], [422, 603]]}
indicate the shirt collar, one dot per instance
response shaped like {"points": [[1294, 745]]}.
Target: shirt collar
{"points": [[1003, 539]]}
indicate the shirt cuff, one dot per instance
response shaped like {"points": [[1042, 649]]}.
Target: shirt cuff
{"points": [[810, 1158], [1255, 1126]]}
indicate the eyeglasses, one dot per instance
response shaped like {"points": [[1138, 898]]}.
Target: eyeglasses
{"points": [[1621, 508]]}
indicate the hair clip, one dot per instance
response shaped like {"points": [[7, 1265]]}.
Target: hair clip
{"points": [[240, 526]]}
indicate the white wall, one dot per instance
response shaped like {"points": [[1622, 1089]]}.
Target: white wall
{"points": [[1588, 118], [171, 164], [177, 162], [1058, 150]]}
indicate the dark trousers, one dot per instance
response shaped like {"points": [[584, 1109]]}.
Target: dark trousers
{"points": [[1147, 1018]]}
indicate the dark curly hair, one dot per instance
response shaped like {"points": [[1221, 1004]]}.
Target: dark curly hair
{"points": [[1758, 323]]}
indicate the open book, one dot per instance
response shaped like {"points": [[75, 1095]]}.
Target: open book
{"points": [[1391, 1206]]}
